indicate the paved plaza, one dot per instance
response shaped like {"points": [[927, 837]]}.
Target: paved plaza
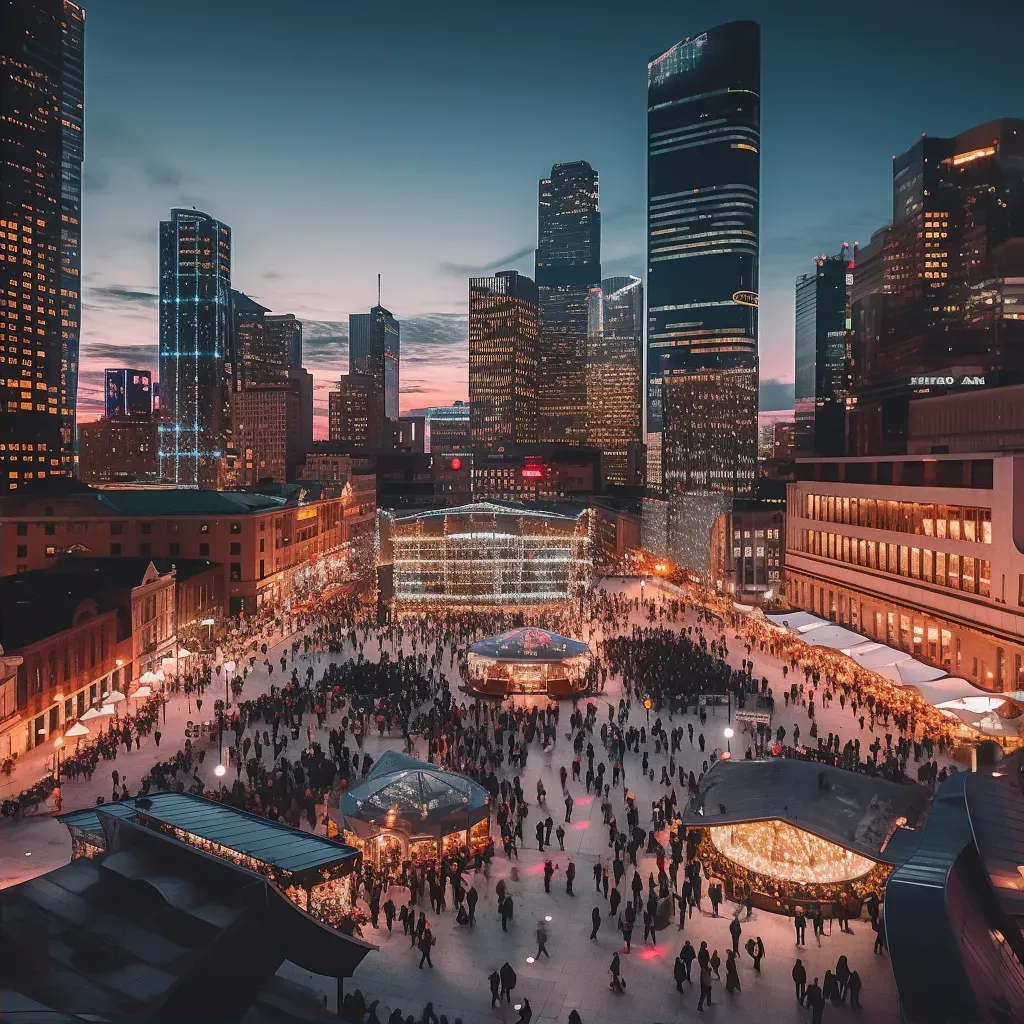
{"points": [[576, 975]]}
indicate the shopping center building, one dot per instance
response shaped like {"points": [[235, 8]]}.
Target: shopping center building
{"points": [[924, 553]]}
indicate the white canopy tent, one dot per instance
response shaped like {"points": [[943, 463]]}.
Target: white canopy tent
{"points": [[912, 672], [878, 655], [797, 622], [836, 638]]}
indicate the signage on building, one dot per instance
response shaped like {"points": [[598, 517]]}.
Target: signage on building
{"points": [[533, 473], [948, 381]]}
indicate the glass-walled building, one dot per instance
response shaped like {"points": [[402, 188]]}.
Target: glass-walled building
{"points": [[703, 174]]}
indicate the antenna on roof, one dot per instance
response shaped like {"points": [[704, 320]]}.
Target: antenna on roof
{"points": [[378, 289]]}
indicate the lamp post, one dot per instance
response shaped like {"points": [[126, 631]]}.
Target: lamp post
{"points": [[728, 738], [58, 743]]}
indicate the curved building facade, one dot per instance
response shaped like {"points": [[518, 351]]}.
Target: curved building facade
{"points": [[703, 172]]}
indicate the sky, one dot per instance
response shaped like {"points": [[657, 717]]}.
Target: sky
{"points": [[343, 140]]}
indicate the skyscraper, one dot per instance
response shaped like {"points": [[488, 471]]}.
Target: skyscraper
{"points": [[128, 394], [615, 377], [31, 149], [568, 265], [823, 329], [284, 338], [503, 359], [374, 347], [248, 364], [72, 115], [354, 412], [195, 338], [703, 172]]}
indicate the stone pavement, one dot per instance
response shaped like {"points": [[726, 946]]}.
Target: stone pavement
{"points": [[576, 977]]}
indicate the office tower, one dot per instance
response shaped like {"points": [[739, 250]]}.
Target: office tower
{"points": [[374, 347], [195, 338], [703, 170], [72, 115], [128, 394], [354, 412], [823, 355], [568, 265], [447, 428], [272, 428], [614, 376], [502, 359], [31, 148], [284, 337], [117, 450], [260, 352]]}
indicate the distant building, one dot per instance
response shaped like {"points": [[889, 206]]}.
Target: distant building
{"points": [[568, 265], [541, 472], [195, 341], [112, 450], [748, 546], [447, 428], [353, 412], [409, 433], [272, 429], [258, 360], [128, 394], [502, 359], [703, 175], [823, 370], [284, 336], [375, 349], [614, 378]]}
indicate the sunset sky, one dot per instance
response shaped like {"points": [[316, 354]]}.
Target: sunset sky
{"points": [[340, 140]]}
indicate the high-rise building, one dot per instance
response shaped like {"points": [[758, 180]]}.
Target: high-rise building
{"points": [[195, 339], [128, 394], [260, 353], [447, 429], [374, 347], [823, 329], [32, 58], [614, 378], [284, 338], [503, 359], [272, 428], [568, 265], [354, 412], [703, 174], [72, 117], [117, 450]]}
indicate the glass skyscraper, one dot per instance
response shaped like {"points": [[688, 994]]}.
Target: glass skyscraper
{"points": [[72, 115], [374, 347], [128, 394], [31, 147], [703, 172], [615, 377], [568, 265], [195, 341], [503, 360], [284, 336]]}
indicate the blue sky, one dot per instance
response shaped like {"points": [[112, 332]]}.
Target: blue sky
{"points": [[341, 140]]}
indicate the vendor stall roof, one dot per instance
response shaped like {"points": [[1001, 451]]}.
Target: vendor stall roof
{"points": [[837, 638], [529, 644], [939, 692], [797, 621], [855, 811], [88, 819], [263, 840]]}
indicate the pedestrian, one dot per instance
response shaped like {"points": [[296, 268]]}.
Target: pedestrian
{"points": [[614, 900], [703, 956], [570, 874], [679, 973], [505, 910], [800, 924], [471, 900], [525, 1013], [389, 912], [800, 980], [735, 930], [549, 870], [716, 965], [758, 954], [494, 980], [426, 941], [616, 984], [732, 976], [854, 989], [542, 938], [560, 836], [508, 981], [815, 1001], [595, 917], [705, 986], [880, 936], [688, 954], [843, 977]]}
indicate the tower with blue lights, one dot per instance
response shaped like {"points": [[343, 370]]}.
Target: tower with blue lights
{"points": [[195, 333]]}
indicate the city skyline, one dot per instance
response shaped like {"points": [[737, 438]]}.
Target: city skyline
{"points": [[463, 213]]}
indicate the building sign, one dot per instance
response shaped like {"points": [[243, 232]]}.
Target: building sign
{"points": [[306, 513], [745, 298], [957, 381], [533, 473]]}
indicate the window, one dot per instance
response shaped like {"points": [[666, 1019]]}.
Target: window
{"points": [[147, 529], [50, 529], [204, 550], [22, 530], [174, 548], [204, 527], [115, 550], [236, 548], [236, 571], [263, 571], [236, 528], [146, 550], [23, 551], [116, 529], [262, 542]]}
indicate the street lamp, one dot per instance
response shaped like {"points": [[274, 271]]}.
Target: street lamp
{"points": [[729, 733], [58, 743], [208, 623]]}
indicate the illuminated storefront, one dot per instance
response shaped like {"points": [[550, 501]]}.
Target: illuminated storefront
{"points": [[408, 810], [530, 661]]}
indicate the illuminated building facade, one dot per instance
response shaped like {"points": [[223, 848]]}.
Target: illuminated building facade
{"points": [[614, 377], [568, 265], [128, 394], [353, 412], [117, 449], [33, 55], [529, 660], [195, 340], [375, 349], [502, 359], [542, 472], [72, 116], [284, 338], [484, 555], [272, 429], [822, 377], [447, 429], [703, 175], [918, 553]]}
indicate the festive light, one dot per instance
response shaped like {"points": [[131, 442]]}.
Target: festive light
{"points": [[778, 849]]}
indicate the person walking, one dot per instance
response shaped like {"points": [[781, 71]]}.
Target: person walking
{"points": [[471, 900], [800, 924], [815, 1001], [560, 836], [505, 910], [705, 989], [614, 900], [616, 984], [688, 954], [703, 956], [542, 938], [843, 977], [508, 981], [494, 980], [595, 917], [716, 965], [389, 912], [549, 870], [880, 936], [426, 941], [758, 954], [679, 973], [732, 975], [570, 874], [525, 1013], [800, 980], [735, 930], [854, 989]]}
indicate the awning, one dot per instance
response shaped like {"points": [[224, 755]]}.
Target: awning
{"points": [[912, 672], [878, 655], [797, 622], [833, 636]]}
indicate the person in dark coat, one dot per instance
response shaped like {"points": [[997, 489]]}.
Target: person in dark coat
{"points": [[854, 989], [815, 1001], [800, 980], [426, 942], [688, 954], [494, 980], [735, 930], [471, 899], [843, 977], [679, 973], [389, 912], [830, 989], [800, 924], [525, 1013], [732, 974], [595, 917], [508, 981], [570, 874], [614, 900]]}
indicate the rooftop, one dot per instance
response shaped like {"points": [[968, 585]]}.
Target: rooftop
{"points": [[854, 811], [484, 508], [529, 644]]}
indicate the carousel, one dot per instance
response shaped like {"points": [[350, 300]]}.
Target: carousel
{"points": [[408, 810], [530, 661]]}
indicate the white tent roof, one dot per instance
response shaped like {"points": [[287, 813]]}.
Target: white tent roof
{"points": [[917, 672], [878, 656], [833, 636], [798, 622], [990, 724], [938, 691]]}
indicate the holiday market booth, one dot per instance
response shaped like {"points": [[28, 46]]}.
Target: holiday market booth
{"points": [[529, 660], [408, 809], [801, 833]]}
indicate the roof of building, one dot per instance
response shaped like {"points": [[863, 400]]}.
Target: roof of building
{"points": [[854, 811], [529, 644], [428, 798], [127, 568], [181, 502], [485, 508], [267, 841]]}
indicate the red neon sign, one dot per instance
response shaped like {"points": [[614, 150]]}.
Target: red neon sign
{"points": [[533, 473], [456, 463]]}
